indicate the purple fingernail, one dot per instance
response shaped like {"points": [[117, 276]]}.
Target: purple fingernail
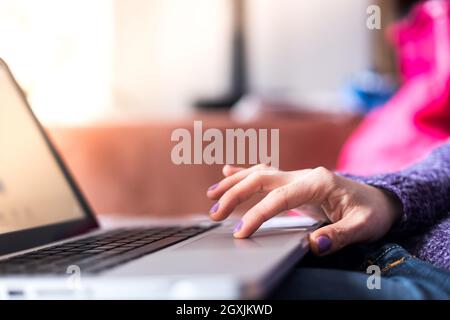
{"points": [[238, 226], [324, 243], [214, 186], [214, 208]]}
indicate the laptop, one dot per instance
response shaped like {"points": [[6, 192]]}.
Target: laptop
{"points": [[52, 246]]}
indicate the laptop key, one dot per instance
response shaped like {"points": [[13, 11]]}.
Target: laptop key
{"points": [[134, 254], [99, 252]]}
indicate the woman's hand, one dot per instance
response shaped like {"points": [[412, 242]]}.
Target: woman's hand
{"points": [[357, 212]]}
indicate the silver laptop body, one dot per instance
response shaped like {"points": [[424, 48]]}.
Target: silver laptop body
{"points": [[41, 207]]}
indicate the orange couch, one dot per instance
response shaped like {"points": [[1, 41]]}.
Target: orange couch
{"points": [[125, 168]]}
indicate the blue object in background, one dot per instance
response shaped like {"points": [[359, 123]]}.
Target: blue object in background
{"points": [[370, 89]]}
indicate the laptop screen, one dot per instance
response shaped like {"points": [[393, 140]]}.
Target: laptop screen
{"points": [[34, 190]]}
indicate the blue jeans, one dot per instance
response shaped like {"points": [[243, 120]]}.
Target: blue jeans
{"points": [[402, 277]]}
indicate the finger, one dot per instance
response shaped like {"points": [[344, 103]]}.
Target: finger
{"points": [[217, 190], [256, 182], [229, 170], [313, 188], [334, 237]]}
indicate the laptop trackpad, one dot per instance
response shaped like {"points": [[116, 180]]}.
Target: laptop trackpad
{"points": [[261, 239]]}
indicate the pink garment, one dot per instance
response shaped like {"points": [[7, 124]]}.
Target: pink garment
{"points": [[417, 118]]}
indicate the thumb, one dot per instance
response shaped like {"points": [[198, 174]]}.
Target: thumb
{"points": [[333, 237]]}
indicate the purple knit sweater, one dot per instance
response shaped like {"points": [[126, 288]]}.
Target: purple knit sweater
{"points": [[424, 191]]}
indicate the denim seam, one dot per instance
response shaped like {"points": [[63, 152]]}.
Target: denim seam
{"points": [[384, 253]]}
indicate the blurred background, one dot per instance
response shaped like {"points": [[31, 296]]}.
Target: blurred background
{"points": [[109, 59], [111, 79]]}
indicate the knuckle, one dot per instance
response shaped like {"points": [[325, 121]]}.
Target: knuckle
{"points": [[270, 172], [255, 176], [266, 168], [263, 166], [338, 237], [259, 167], [260, 177], [322, 171], [257, 180], [325, 175]]}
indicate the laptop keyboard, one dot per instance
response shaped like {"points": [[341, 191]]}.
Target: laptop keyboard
{"points": [[99, 252]]}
